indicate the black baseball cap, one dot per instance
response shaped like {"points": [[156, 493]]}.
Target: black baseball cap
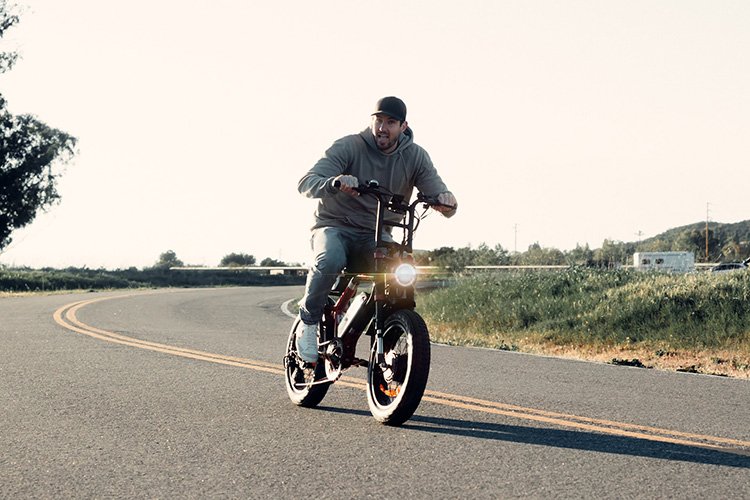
{"points": [[391, 106]]}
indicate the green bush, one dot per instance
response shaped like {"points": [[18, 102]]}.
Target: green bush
{"points": [[581, 305]]}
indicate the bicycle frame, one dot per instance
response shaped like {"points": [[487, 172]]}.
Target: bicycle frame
{"points": [[386, 294]]}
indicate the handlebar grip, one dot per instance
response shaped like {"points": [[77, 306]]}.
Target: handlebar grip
{"points": [[433, 201], [362, 188], [337, 185]]}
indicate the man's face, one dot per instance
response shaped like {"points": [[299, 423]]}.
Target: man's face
{"points": [[386, 130]]}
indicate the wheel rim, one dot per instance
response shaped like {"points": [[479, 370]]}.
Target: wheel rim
{"points": [[388, 385]]}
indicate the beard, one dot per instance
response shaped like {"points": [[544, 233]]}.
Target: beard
{"points": [[385, 143]]}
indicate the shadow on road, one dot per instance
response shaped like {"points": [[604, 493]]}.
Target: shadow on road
{"points": [[571, 439]]}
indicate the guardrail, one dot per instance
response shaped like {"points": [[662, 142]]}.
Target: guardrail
{"points": [[304, 269], [237, 268], [426, 269]]}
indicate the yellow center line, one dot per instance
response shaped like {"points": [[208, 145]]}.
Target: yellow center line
{"points": [[66, 317], [544, 415]]}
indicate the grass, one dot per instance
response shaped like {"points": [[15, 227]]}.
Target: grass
{"points": [[689, 322]]}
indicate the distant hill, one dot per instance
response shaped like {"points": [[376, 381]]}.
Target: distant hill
{"points": [[738, 230]]}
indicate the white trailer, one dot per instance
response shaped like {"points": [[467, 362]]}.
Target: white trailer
{"points": [[675, 262]]}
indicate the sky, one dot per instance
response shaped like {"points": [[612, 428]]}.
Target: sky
{"points": [[561, 123]]}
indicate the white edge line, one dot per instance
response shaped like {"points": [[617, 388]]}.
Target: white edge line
{"points": [[285, 308]]}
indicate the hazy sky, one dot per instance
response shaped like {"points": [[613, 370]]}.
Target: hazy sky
{"points": [[573, 121]]}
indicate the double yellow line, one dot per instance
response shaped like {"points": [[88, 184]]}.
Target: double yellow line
{"points": [[66, 317]]}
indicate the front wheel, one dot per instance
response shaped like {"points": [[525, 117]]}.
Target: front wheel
{"points": [[305, 385], [395, 390]]}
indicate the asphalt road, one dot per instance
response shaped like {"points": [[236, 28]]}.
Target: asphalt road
{"points": [[179, 393]]}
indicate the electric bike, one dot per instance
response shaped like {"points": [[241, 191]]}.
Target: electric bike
{"points": [[398, 364]]}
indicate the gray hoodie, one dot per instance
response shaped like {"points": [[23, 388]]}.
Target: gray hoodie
{"points": [[400, 171]]}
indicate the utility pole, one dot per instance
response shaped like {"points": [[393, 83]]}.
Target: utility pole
{"points": [[515, 238], [707, 204]]}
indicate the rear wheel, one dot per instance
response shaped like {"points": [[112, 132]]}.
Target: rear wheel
{"points": [[394, 391], [300, 377]]}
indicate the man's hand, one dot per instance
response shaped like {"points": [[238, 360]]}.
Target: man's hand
{"points": [[347, 183], [446, 199]]}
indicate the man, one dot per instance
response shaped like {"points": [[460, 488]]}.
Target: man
{"points": [[343, 234]]}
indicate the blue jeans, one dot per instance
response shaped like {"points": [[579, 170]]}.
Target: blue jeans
{"points": [[333, 249]]}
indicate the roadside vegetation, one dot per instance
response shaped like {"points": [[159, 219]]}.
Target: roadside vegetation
{"points": [[165, 272], [15, 281], [697, 322]]}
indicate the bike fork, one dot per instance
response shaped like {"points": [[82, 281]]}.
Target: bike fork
{"points": [[379, 291], [379, 348]]}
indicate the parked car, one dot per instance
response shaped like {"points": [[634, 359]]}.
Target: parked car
{"points": [[731, 266]]}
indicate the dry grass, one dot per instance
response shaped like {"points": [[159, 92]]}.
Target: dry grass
{"points": [[707, 362]]}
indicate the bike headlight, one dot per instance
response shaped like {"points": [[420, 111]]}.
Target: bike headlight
{"points": [[405, 274]]}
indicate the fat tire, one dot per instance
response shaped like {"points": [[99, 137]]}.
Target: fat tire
{"points": [[310, 396], [396, 411]]}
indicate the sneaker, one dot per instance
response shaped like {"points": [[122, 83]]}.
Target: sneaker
{"points": [[307, 343]]}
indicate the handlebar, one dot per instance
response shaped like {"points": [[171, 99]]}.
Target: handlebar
{"points": [[373, 187], [433, 201]]}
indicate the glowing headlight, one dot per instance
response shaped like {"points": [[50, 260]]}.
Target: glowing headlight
{"points": [[405, 274]]}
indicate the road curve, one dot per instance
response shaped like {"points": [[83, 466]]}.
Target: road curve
{"points": [[180, 393]]}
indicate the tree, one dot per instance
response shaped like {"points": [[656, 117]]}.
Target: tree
{"points": [[486, 256], [537, 255], [456, 260], [656, 245], [269, 262], [695, 241], [168, 259], [7, 20], [237, 260], [580, 255], [613, 253], [732, 251], [29, 153]]}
